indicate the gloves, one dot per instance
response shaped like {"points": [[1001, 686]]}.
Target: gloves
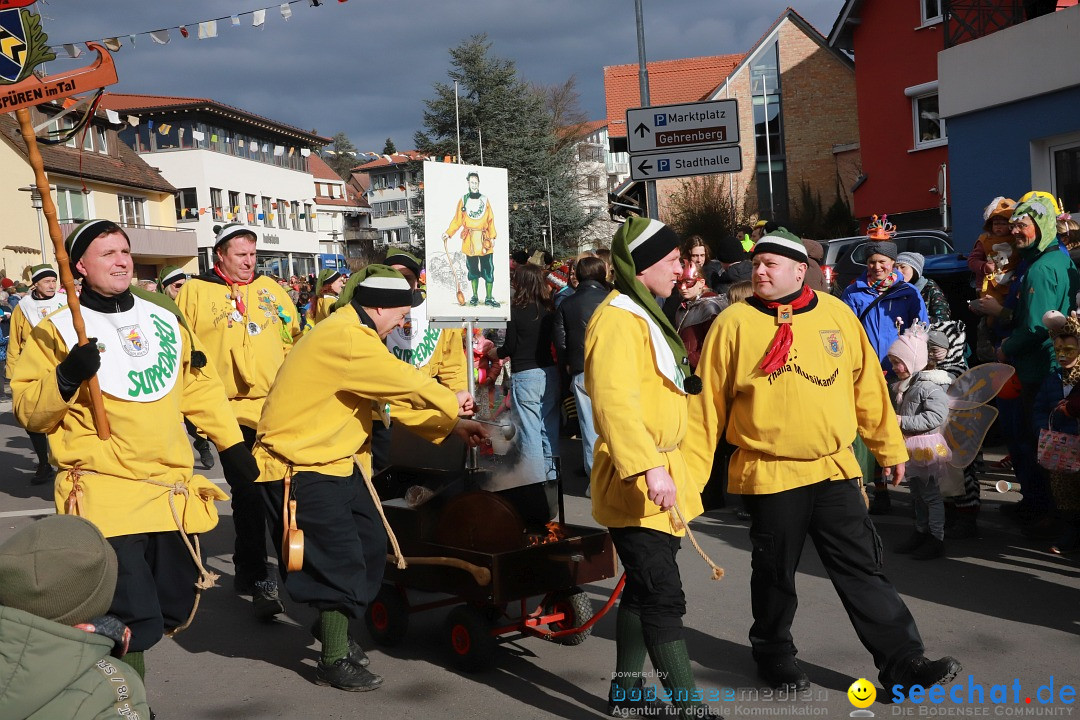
{"points": [[81, 364], [109, 626], [238, 464]]}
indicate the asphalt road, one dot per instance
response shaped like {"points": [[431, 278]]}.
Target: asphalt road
{"points": [[1003, 605]]}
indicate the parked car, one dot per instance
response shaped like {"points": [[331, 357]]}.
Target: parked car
{"points": [[845, 258]]}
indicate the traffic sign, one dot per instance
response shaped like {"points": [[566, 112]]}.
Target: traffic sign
{"points": [[687, 125], [683, 163]]}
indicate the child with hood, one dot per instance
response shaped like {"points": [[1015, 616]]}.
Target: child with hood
{"points": [[922, 408]]}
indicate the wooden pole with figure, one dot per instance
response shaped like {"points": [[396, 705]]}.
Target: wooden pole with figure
{"points": [[21, 89]]}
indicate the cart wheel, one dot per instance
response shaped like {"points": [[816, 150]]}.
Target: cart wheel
{"points": [[469, 634], [577, 607], [387, 616]]}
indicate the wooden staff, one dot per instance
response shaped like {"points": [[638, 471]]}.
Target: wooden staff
{"points": [[26, 125]]}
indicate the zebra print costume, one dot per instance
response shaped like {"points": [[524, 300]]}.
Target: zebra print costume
{"points": [[955, 363]]}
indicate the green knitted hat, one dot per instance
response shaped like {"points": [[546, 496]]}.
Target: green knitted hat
{"points": [[84, 234], [326, 276], [60, 568], [224, 233], [782, 242], [378, 286], [169, 275], [404, 259], [40, 272]]}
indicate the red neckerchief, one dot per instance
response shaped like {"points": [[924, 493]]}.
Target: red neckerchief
{"points": [[777, 354], [233, 288]]}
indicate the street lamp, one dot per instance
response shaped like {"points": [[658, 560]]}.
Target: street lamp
{"points": [[36, 203]]}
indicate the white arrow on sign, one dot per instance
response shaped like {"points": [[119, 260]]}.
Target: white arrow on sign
{"points": [[683, 126], [683, 163]]}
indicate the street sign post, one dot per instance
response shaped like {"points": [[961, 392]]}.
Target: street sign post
{"points": [[686, 125], [683, 163]]}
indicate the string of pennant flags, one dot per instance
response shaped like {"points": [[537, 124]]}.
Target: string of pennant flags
{"points": [[204, 29]]}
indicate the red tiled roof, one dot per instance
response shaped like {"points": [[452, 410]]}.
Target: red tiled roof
{"points": [[582, 129], [318, 167], [133, 103], [670, 81], [387, 160]]}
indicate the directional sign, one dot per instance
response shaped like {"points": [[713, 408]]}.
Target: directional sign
{"points": [[677, 127], [682, 163]]}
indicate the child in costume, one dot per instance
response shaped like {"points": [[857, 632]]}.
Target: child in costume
{"points": [[922, 408]]}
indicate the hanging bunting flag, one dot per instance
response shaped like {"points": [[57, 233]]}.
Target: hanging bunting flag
{"points": [[73, 51], [150, 124], [161, 37], [133, 121], [112, 44], [184, 31], [261, 217], [213, 137], [266, 148], [305, 152], [291, 151], [286, 11], [164, 128], [314, 3], [254, 146], [113, 117], [208, 29], [258, 17], [279, 151], [202, 211], [198, 135], [273, 205], [131, 39], [235, 20], [236, 209]]}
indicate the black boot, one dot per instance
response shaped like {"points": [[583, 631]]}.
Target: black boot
{"points": [[43, 474], [929, 550], [923, 671], [913, 543], [206, 457]]}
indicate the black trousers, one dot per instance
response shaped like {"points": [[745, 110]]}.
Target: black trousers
{"points": [[155, 585], [834, 515], [40, 442], [193, 432], [380, 446], [653, 587], [344, 540], [249, 520]]}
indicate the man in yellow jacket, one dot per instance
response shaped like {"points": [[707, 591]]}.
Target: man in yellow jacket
{"points": [[137, 486], [35, 306], [247, 323], [315, 428], [474, 222], [637, 374], [793, 378], [438, 353]]}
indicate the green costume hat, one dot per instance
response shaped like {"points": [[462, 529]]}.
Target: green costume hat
{"points": [[639, 244], [326, 276], [404, 259], [1042, 208], [378, 286], [169, 275], [84, 234], [40, 272], [224, 233], [782, 242]]}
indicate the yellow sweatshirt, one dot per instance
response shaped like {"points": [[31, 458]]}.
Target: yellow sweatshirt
{"points": [[147, 442], [793, 427], [323, 308], [640, 423], [247, 363], [318, 414], [20, 326]]}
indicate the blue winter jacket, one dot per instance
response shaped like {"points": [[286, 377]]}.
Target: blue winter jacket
{"points": [[902, 300]]}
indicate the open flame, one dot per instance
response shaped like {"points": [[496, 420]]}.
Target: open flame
{"points": [[555, 533]]}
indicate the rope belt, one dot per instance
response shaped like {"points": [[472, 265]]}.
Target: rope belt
{"points": [[206, 579], [678, 523], [399, 559]]}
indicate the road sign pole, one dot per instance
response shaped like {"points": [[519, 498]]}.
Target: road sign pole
{"points": [[643, 79]]}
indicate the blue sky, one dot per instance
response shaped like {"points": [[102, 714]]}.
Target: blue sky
{"points": [[364, 67]]}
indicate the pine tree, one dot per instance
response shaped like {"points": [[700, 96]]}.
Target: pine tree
{"points": [[388, 148], [519, 134], [340, 155]]}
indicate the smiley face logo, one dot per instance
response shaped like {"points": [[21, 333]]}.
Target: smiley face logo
{"points": [[862, 693]]}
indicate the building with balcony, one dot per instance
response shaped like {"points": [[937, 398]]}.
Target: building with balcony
{"points": [[230, 165], [394, 184], [593, 180], [341, 214], [92, 175]]}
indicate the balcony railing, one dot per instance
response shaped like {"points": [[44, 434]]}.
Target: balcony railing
{"points": [[972, 19], [155, 240]]}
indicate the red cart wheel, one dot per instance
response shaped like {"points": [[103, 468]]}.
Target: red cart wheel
{"points": [[472, 646], [387, 617], [577, 608]]}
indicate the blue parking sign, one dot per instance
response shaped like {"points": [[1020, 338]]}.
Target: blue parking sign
{"points": [[663, 165], [659, 119]]}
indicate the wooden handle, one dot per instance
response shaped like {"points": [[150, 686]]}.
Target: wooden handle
{"points": [[481, 575], [26, 126]]}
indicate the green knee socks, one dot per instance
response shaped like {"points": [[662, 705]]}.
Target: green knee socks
{"points": [[137, 663], [672, 663], [629, 649], [335, 635]]}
